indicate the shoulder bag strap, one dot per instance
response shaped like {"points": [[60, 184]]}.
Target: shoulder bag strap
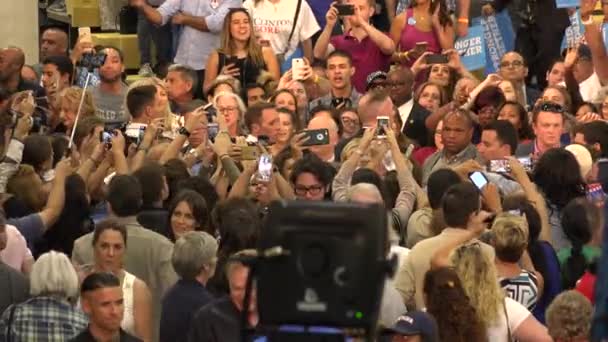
{"points": [[504, 307], [9, 335], [293, 27]]}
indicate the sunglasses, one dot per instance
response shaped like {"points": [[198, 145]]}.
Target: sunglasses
{"points": [[550, 107]]}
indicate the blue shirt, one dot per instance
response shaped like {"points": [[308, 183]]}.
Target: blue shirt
{"points": [[195, 46], [319, 9]]}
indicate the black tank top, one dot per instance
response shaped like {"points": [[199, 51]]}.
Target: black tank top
{"points": [[248, 70]]}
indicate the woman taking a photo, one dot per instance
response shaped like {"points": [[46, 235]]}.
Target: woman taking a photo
{"points": [[240, 55], [425, 26]]}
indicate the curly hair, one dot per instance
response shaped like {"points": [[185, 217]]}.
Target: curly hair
{"points": [[447, 301], [569, 316], [479, 279]]}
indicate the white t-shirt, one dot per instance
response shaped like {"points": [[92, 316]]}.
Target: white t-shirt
{"points": [[273, 22], [516, 312], [590, 87]]}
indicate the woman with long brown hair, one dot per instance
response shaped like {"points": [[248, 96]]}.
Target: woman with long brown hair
{"points": [[239, 55], [446, 300]]}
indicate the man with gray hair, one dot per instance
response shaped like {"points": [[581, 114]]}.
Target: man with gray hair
{"points": [[391, 306], [181, 81], [194, 260]]}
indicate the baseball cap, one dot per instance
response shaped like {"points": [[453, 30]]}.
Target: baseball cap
{"points": [[375, 76], [417, 323]]}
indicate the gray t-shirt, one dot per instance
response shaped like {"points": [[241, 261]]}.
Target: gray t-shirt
{"points": [[110, 107]]}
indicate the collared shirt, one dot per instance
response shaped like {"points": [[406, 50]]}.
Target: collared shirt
{"points": [[366, 55], [43, 319], [327, 100], [86, 336], [439, 161], [195, 46]]}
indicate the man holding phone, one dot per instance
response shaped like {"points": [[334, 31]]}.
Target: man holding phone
{"points": [[370, 49], [325, 152], [339, 73]]}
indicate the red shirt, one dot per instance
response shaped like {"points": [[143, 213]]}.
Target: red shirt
{"points": [[366, 55]]}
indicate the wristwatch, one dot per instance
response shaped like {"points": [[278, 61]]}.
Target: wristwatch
{"points": [[184, 131]]}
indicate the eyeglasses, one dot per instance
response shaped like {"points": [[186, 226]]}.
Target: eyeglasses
{"points": [[549, 107], [349, 121], [394, 85], [514, 64], [227, 110], [314, 190]]}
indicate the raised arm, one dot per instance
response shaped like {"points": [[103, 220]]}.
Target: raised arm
{"points": [[536, 199], [56, 200], [323, 47], [593, 35]]}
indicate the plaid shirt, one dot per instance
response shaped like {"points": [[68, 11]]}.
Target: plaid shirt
{"points": [[43, 319]]}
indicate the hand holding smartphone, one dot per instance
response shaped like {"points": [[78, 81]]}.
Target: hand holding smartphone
{"points": [[478, 179], [383, 122], [265, 168], [298, 66], [345, 9]]}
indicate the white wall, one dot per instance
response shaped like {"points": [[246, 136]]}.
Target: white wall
{"points": [[19, 26]]}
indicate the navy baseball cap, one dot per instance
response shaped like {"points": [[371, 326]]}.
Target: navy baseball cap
{"points": [[417, 323]]}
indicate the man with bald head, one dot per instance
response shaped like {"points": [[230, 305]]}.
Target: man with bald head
{"points": [[325, 152], [12, 60], [513, 68], [457, 133], [371, 105], [413, 116]]}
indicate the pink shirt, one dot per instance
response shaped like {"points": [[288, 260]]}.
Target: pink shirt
{"points": [[16, 252], [411, 35]]}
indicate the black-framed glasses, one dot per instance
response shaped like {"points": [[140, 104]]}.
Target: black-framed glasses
{"points": [[314, 190], [549, 107]]}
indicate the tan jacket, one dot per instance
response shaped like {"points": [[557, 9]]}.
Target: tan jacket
{"points": [[409, 279]]}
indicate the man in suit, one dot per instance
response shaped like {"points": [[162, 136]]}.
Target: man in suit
{"points": [[514, 68], [413, 116], [548, 123], [540, 27]]}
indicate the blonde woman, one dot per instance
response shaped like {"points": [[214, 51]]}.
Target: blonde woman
{"points": [[506, 320], [239, 55], [510, 239], [67, 108]]}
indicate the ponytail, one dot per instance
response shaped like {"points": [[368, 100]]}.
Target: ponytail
{"points": [[575, 266]]}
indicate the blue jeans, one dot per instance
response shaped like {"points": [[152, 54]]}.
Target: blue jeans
{"points": [[160, 35]]}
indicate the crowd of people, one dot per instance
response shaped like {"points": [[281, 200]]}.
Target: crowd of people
{"points": [[126, 209]]}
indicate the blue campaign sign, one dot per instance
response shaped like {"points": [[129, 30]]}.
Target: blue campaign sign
{"points": [[574, 33], [567, 3], [499, 38], [471, 49]]}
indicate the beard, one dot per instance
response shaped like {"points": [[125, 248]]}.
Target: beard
{"points": [[105, 79]]}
